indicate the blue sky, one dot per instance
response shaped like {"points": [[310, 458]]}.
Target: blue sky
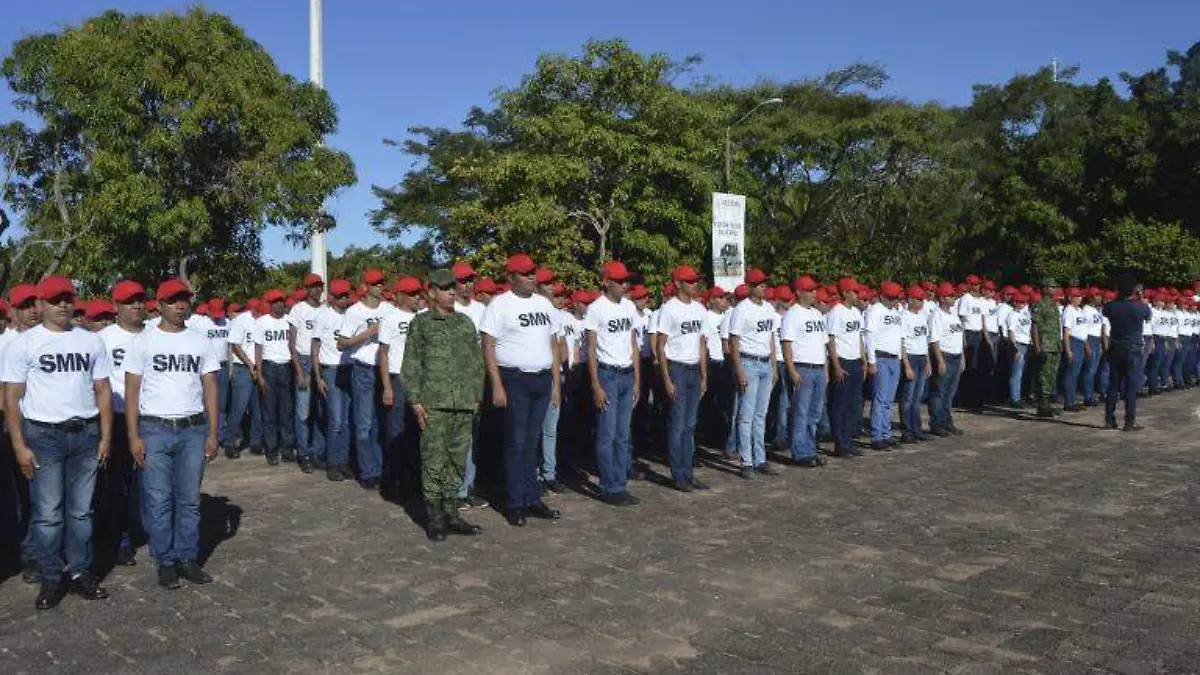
{"points": [[390, 64]]}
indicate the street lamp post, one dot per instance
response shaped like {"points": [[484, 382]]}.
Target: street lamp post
{"points": [[728, 129], [316, 244]]}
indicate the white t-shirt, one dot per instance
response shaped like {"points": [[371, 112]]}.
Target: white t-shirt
{"points": [[1003, 309], [358, 318], [613, 323], [474, 311], [712, 335], [971, 309], [241, 334], [303, 318], [916, 332], [642, 328], [272, 334], [59, 371], [845, 325], [1094, 319], [884, 332], [804, 328], [779, 335], [1020, 325], [754, 325], [991, 315], [327, 331], [171, 365], [683, 324], [522, 328], [1076, 322], [393, 332], [1148, 324], [116, 344], [217, 332], [575, 338], [946, 329], [1173, 327]]}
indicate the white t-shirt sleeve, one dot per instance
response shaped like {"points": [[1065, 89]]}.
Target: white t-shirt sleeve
{"points": [[258, 333], [135, 358], [492, 323], [16, 367], [101, 364]]}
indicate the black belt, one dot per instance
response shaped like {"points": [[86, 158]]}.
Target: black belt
{"points": [[681, 364], [339, 366], [810, 366], [624, 370], [518, 371], [880, 354], [760, 359], [73, 424], [176, 423]]}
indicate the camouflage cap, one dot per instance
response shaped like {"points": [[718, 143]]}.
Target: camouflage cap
{"points": [[442, 278], [1049, 282]]}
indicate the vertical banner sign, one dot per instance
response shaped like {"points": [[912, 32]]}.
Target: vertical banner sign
{"points": [[728, 240]]}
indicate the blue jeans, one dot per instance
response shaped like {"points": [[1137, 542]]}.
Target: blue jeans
{"points": [[783, 406], [1164, 348], [303, 407], [1177, 364], [1020, 355], [734, 404], [396, 414], [468, 480], [1091, 366], [528, 396], [752, 411], [549, 468], [61, 497], [808, 403], [887, 378], [279, 429], [243, 396], [1073, 369], [941, 396], [222, 397], [331, 433], [844, 414], [612, 430], [1126, 379], [366, 423], [681, 420], [171, 490], [911, 393]]}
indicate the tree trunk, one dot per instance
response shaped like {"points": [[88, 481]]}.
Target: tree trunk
{"points": [[183, 271], [60, 254]]}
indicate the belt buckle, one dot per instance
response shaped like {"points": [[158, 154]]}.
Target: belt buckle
{"points": [[72, 425]]}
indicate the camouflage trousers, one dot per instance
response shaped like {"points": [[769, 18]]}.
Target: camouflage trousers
{"points": [[445, 442], [1047, 363]]}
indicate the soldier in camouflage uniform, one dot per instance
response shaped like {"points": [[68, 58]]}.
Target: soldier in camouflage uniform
{"points": [[1047, 345], [443, 370]]}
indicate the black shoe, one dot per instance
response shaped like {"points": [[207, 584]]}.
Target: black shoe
{"points": [[457, 525], [347, 472], [1134, 427], [306, 465], [516, 517], [436, 529], [619, 499], [31, 572], [554, 486], [540, 510], [126, 556], [273, 460], [894, 442], [697, 485], [940, 432], [232, 453], [319, 464], [1073, 408], [747, 472], [637, 474], [1089, 404], [334, 473], [839, 451], [288, 454], [1111, 424], [49, 596], [188, 569], [882, 446], [811, 462], [369, 483], [85, 586], [683, 486], [954, 431], [475, 502], [908, 439], [921, 436], [766, 469], [257, 450], [1045, 412], [168, 577]]}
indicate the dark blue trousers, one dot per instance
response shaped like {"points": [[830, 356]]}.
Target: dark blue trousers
{"points": [[528, 397]]}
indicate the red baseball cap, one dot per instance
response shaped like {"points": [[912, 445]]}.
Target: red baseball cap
{"points": [[961, 288], [98, 307], [668, 289], [127, 290], [1035, 296], [686, 274], [372, 277], [339, 287], [915, 292], [1019, 297], [717, 292], [234, 308], [520, 264], [299, 294], [214, 310], [151, 305], [741, 291], [1008, 290], [890, 289], [582, 297], [80, 306], [971, 280], [847, 284], [272, 296], [407, 285], [21, 294], [289, 302], [462, 271], [784, 294], [990, 285], [769, 294], [170, 289], [313, 279], [202, 309], [485, 285], [755, 276], [806, 283], [55, 287], [1026, 289], [637, 292], [1074, 292], [559, 289], [544, 275], [946, 290], [615, 270]]}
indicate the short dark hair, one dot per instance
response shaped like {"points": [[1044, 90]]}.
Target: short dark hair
{"points": [[1125, 284]]}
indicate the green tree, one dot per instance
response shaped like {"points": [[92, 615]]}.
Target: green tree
{"points": [[164, 144]]}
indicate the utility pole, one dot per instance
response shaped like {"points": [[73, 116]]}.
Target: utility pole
{"points": [[1054, 68], [316, 244]]}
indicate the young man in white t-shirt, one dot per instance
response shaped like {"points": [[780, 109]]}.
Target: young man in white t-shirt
{"points": [[275, 374], [847, 358], [916, 366], [393, 334], [884, 342], [521, 352], [302, 319], [614, 371], [243, 388], [464, 293], [1018, 330], [172, 424], [59, 414], [121, 471], [550, 289], [946, 351], [752, 333], [1076, 349], [804, 341], [331, 433], [361, 338], [680, 348]]}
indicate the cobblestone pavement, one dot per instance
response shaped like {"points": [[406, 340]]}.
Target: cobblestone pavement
{"points": [[1024, 547]]}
